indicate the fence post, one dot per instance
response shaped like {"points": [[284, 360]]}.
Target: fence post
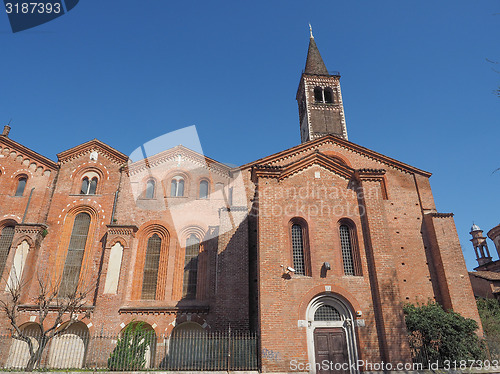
{"points": [[229, 349]]}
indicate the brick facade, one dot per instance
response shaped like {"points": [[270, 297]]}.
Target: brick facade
{"points": [[359, 229]]}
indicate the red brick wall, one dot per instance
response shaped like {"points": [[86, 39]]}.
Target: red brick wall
{"points": [[396, 254]]}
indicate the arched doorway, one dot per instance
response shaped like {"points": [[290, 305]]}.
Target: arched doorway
{"points": [[331, 338], [19, 353], [187, 347], [68, 350]]}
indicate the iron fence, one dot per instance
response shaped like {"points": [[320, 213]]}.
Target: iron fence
{"points": [[183, 350]]}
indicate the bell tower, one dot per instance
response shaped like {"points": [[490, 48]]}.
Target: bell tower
{"points": [[321, 111], [480, 246]]}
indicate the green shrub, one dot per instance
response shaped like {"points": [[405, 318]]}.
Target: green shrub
{"points": [[131, 348], [489, 311], [438, 335]]}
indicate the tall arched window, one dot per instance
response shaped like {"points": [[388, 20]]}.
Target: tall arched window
{"points": [[5, 243], [76, 250], [204, 189], [350, 257], [177, 187], [21, 185], [300, 249], [328, 95], [191, 267], [89, 187], [318, 94], [150, 189], [151, 266]]}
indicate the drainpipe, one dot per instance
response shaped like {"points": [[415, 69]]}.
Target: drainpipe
{"points": [[28, 205]]}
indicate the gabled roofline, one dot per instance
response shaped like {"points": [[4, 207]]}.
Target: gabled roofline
{"points": [[73, 152], [320, 159], [316, 158], [160, 157], [47, 162], [344, 143]]}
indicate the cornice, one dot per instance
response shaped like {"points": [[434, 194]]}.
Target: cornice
{"points": [[170, 155], [316, 158], [176, 310], [28, 153], [92, 145], [441, 215], [54, 308], [370, 174], [346, 144], [128, 230], [30, 228]]}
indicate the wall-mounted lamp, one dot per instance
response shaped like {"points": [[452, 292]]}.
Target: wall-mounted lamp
{"points": [[359, 313], [288, 269], [324, 268]]}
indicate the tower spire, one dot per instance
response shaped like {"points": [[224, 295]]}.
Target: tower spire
{"points": [[321, 111], [314, 62]]}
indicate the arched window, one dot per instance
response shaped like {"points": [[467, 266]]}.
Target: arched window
{"points": [[327, 313], [85, 186], [204, 189], [151, 266], [74, 257], [318, 94], [177, 187], [89, 187], [150, 189], [191, 267], [21, 185], [328, 95], [300, 249], [349, 248], [5, 243], [93, 186]]}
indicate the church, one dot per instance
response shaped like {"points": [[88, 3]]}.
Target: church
{"points": [[315, 248]]}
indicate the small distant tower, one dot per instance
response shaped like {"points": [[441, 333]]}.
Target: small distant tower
{"points": [[321, 111], [480, 246]]}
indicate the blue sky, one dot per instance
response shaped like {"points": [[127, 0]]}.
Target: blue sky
{"points": [[416, 83]]}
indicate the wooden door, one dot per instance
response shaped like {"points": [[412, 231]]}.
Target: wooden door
{"points": [[330, 346]]}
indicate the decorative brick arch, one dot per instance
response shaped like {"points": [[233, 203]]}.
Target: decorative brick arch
{"points": [[180, 172], [339, 157], [187, 318], [117, 239], [148, 325], [7, 222], [191, 229], [24, 237], [82, 170], [98, 168], [316, 291], [96, 211]]}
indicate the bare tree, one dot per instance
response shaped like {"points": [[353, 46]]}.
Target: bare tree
{"points": [[497, 91], [56, 313]]}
